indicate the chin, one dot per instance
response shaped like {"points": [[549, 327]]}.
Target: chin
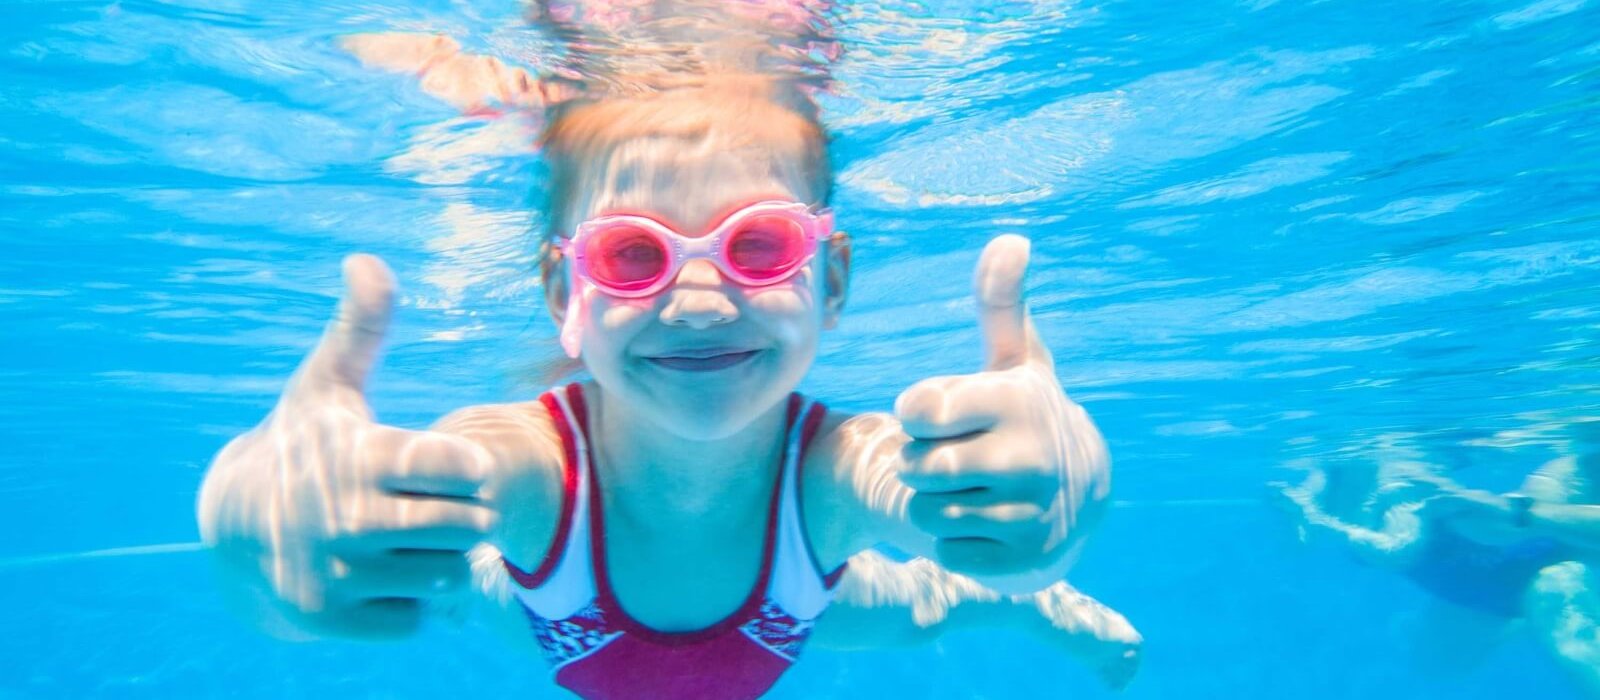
{"points": [[715, 414], [705, 424]]}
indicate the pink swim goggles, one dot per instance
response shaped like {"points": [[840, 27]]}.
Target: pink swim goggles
{"points": [[634, 257]]}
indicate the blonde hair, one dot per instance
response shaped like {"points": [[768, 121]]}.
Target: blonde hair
{"points": [[726, 112]]}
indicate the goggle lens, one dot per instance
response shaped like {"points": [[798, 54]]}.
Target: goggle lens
{"points": [[626, 257], [766, 247]]}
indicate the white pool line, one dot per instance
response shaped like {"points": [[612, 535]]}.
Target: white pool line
{"points": [[135, 551], [1190, 503], [185, 547]]}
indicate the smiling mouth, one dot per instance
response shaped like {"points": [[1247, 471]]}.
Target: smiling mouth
{"points": [[708, 361]]}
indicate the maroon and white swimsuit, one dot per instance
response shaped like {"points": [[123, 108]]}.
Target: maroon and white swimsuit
{"points": [[597, 651]]}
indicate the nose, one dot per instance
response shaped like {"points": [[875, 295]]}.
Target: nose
{"points": [[697, 298]]}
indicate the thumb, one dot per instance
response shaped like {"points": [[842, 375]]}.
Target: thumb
{"points": [[1008, 336], [349, 346]]}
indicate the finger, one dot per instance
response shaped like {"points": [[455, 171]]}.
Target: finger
{"points": [[424, 463], [937, 467], [952, 406], [444, 537], [1009, 338], [979, 513], [405, 574], [986, 460], [416, 522], [381, 618], [349, 346], [1001, 310]]}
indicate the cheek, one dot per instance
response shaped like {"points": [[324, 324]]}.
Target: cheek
{"points": [[781, 302], [791, 307], [612, 321]]}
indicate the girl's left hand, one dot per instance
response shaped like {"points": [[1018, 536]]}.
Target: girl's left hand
{"points": [[1009, 473]]}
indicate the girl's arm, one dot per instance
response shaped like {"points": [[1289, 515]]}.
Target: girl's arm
{"points": [[492, 595], [525, 488], [997, 474], [884, 603], [325, 522]]}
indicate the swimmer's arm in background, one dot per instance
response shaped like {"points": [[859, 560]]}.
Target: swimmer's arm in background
{"points": [[997, 475], [1386, 547], [1556, 509], [1541, 508], [1576, 525], [1551, 511], [472, 83], [884, 603]]}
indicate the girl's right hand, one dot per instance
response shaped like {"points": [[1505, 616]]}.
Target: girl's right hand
{"points": [[325, 522]]}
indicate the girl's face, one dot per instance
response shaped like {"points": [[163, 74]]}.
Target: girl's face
{"points": [[706, 356]]}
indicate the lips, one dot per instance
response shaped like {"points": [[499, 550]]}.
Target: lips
{"points": [[702, 359]]}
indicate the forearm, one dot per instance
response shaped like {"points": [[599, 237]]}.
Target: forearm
{"points": [[884, 603], [1372, 542], [1375, 545]]}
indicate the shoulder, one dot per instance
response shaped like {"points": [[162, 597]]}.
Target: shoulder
{"points": [[527, 486], [515, 433], [840, 437], [821, 453], [843, 433]]}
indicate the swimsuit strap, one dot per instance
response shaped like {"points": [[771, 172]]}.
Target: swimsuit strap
{"points": [[572, 574], [606, 596], [562, 584]]}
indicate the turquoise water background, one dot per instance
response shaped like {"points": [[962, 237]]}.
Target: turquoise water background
{"points": [[1266, 232]]}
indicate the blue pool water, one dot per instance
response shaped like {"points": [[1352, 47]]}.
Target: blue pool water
{"points": [[1265, 232]]}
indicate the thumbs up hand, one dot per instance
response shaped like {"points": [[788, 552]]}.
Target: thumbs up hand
{"points": [[326, 522], [1008, 473]]}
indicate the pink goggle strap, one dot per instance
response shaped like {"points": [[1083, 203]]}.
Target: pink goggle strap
{"points": [[572, 321]]}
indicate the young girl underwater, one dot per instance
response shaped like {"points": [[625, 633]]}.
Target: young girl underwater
{"points": [[676, 526]]}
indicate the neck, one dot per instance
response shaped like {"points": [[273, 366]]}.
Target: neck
{"points": [[654, 473]]}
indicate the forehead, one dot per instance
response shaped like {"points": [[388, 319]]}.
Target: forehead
{"points": [[688, 182]]}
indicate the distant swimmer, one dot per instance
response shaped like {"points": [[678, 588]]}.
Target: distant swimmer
{"points": [[1488, 559]]}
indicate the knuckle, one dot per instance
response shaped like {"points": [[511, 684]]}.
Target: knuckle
{"points": [[1018, 516], [352, 524], [941, 460], [338, 570]]}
